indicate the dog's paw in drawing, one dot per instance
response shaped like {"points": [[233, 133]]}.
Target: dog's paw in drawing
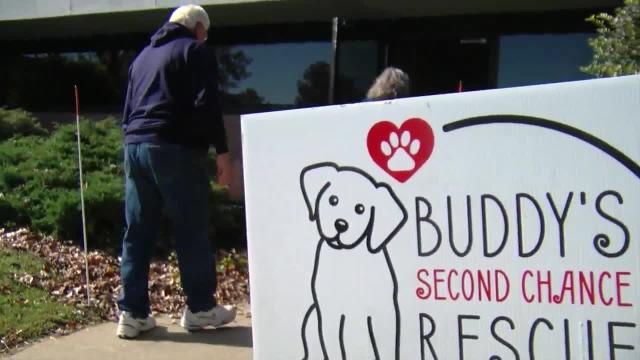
{"points": [[400, 151]]}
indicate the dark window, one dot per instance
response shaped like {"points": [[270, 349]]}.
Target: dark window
{"points": [[358, 67], [541, 59], [44, 81], [273, 76], [438, 65]]}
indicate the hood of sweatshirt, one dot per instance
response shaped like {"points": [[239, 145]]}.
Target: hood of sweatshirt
{"points": [[168, 32]]}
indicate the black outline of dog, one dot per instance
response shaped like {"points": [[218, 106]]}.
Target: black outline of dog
{"points": [[316, 183]]}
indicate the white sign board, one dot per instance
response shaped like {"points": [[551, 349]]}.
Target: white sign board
{"points": [[499, 224]]}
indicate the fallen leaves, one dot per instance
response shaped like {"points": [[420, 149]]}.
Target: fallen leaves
{"points": [[24, 278], [63, 276]]}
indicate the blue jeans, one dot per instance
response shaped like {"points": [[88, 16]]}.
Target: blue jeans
{"points": [[174, 179]]}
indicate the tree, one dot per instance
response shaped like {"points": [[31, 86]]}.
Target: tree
{"points": [[250, 97], [232, 70], [616, 49], [313, 89], [232, 67], [246, 101]]}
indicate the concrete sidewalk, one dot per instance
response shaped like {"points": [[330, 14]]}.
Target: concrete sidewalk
{"points": [[167, 341]]}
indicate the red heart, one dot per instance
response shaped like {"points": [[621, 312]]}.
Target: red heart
{"points": [[400, 152]]}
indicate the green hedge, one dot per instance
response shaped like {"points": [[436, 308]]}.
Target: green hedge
{"points": [[18, 122], [39, 185]]}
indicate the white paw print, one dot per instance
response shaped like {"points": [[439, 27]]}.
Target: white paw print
{"points": [[398, 150]]}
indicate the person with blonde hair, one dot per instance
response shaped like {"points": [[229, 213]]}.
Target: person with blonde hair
{"points": [[390, 84], [171, 118]]}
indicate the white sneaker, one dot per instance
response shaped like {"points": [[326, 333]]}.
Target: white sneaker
{"points": [[130, 327], [218, 316]]}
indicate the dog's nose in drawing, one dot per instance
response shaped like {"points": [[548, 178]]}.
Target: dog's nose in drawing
{"points": [[341, 225]]}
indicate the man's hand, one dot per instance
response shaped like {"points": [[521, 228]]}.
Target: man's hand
{"points": [[224, 169]]}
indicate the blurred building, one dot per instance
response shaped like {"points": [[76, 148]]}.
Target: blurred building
{"points": [[269, 47], [277, 54]]}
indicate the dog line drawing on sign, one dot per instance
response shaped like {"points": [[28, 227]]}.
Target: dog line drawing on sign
{"points": [[353, 285]]}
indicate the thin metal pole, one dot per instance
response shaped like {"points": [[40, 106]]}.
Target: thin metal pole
{"points": [[386, 54], [333, 76], [84, 222]]}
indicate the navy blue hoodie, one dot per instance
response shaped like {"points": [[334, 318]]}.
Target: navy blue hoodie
{"points": [[172, 96]]}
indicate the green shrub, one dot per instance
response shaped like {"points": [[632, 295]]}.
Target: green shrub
{"points": [[18, 122], [8, 212], [39, 180]]}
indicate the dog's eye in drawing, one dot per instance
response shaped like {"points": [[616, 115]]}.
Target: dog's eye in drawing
{"points": [[333, 200], [359, 209]]}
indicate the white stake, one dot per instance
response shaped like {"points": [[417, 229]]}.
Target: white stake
{"points": [[84, 222]]}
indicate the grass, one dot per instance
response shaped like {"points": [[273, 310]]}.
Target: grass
{"points": [[27, 312]]}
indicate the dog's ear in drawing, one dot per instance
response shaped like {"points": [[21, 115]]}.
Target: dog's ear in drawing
{"points": [[314, 180], [389, 215]]}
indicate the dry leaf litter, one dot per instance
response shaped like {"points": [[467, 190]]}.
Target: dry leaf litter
{"points": [[63, 276]]}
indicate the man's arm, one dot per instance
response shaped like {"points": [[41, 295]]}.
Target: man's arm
{"points": [[207, 101], [206, 105], [127, 104]]}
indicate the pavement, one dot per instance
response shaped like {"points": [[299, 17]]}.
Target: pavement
{"points": [[167, 341]]}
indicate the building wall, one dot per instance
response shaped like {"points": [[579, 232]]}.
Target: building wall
{"points": [[34, 9], [36, 19], [43, 58]]}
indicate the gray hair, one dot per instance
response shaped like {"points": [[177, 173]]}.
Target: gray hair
{"points": [[189, 16], [391, 83]]}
